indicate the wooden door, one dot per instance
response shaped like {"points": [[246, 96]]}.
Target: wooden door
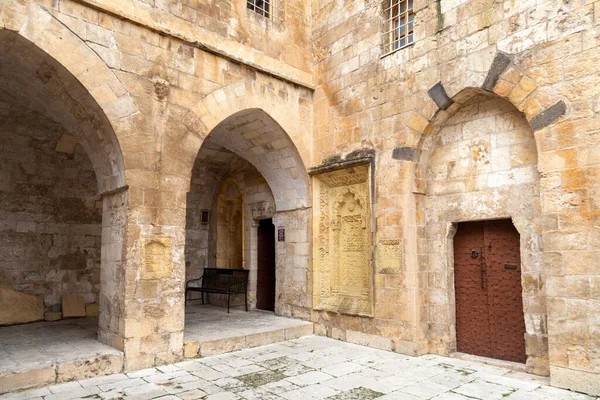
{"points": [[487, 281], [265, 285]]}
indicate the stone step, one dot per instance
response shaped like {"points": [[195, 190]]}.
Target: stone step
{"points": [[205, 348], [52, 372]]}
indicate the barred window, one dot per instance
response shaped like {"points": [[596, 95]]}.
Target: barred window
{"points": [[270, 9], [262, 7], [398, 24]]}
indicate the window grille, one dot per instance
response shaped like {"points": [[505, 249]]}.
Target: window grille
{"points": [[398, 24], [270, 9]]}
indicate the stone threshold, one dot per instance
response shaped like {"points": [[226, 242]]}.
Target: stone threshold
{"points": [[57, 372], [212, 347], [511, 365]]}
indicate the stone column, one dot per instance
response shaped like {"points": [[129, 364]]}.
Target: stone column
{"points": [[154, 310], [293, 263], [112, 273]]}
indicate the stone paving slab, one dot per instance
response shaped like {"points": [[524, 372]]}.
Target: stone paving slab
{"points": [[214, 331], [50, 352], [296, 369]]}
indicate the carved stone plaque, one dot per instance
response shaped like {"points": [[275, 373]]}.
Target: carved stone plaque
{"points": [[156, 257], [342, 237], [389, 256]]}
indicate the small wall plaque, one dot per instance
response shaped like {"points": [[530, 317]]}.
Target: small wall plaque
{"points": [[204, 215], [281, 233], [156, 257]]}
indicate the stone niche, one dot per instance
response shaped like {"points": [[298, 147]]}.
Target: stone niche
{"points": [[343, 275]]}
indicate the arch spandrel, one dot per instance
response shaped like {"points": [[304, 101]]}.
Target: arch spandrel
{"points": [[255, 136], [62, 77]]}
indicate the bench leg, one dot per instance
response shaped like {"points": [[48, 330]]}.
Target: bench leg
{"points": [[185, 302], [202, 298], [228, 298]]}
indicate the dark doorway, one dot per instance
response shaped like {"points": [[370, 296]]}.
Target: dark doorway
{"points": [[265, 285], [487, 282]]}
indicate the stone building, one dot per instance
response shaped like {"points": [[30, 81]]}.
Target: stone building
{"points": [[431, 168]]}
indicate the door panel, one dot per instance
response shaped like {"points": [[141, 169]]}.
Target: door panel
{"points": [[265, 285], [503, 258], [489, 303], [472, 308]]}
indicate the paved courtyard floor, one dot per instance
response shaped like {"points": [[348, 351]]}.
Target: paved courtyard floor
{"points": [[205, 322], [310, 368]]}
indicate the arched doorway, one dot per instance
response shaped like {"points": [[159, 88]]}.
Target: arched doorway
{"points": [[480, 171], [61, 189], [248, 179]]}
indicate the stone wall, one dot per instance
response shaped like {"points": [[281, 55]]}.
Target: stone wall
{"points": [[481, 165], [143, 84], [51, 213], [540, 57]]}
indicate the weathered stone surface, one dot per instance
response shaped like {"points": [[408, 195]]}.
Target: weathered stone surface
{"points": [[190, 349], [180, 94], [548, 116], [499, 65], [102, 365], [10, 381], [438, 94], [19, 308], [92, 310], [52, 316], [404, 154], [73, 306], [342, 237]]}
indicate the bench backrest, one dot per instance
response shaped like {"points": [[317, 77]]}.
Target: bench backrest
{"points": [[220, 278]]}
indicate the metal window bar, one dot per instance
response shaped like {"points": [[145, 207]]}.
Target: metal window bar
{"points": [[398, 27], [270, 9]]}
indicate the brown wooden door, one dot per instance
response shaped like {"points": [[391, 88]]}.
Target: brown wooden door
{"points": [[487, 282], [265, 285]]}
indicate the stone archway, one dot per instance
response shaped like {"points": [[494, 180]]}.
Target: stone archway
{"points": [[252, 148], [504, 79], [32, 79], [481, 164]]}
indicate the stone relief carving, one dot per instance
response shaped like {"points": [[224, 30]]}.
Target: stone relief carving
{"points": [[389, 256], [156, 257], [342, 258]]}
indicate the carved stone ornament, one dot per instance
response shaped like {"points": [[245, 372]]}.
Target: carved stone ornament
{"points": [[343, 272], [389, 256], [156, 257]]}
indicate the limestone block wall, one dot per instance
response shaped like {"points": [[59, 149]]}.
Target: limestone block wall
{"points": [[150, 86], [51, 213], [293, 297], [481, 165], [541, 57], [278, 44]]}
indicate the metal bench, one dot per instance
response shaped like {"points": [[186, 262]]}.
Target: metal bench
{"points": [[220, 281]]}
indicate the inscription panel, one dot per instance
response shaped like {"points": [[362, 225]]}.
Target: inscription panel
{"points": [[156, 257], [389, 256], [343, 274]]}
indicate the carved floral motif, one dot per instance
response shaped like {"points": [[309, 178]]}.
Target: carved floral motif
{"points": [[343, 270]]}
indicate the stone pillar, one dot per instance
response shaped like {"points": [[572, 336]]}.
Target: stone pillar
{"points": [[250, 257], [155, 274], [293, 263], [112, 273]]}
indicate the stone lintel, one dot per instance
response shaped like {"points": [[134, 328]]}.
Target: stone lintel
{"points": [[439, 96], [548, 116], [499, 65], [404, 154], [354, 158]]}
